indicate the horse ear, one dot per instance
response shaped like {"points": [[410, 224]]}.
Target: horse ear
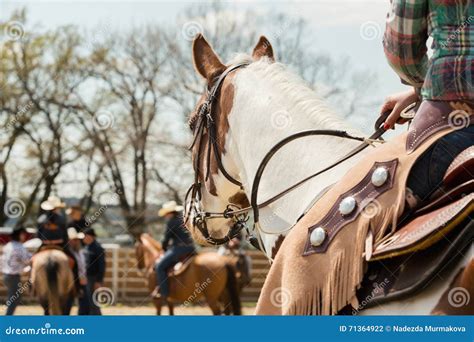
{"points": [[263, 49], [205, 60]]}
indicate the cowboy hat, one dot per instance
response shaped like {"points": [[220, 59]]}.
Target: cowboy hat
{"points": [[52, 203], [73, 234], [169, 207]]}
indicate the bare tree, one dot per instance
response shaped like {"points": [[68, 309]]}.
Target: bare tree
{"points": [[41, 69], [231, 31]]}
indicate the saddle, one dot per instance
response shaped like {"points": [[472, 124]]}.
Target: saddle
{"points": [[366, 240], [182, 265], [427, 241]]}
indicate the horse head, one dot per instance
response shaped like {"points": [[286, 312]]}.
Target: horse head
{"points": [[221, 187], [250, 104]]}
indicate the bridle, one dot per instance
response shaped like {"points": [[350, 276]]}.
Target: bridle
{"points": [[206, 122]]}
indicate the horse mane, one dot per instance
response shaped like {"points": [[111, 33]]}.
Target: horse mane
{"points": [[150, 249], [147, 239], [303, 99]]}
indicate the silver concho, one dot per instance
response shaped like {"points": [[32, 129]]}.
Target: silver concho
{"points": [[379, 176], [317, 236], [347, 205]]}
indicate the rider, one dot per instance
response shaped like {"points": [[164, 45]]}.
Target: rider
{"points": [[52, 234], [50, 230], [53, 205], [439, 82], [176, 244]]}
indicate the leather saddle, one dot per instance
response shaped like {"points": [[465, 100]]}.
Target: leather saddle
{"points": [[429, 241], [182, 265]]}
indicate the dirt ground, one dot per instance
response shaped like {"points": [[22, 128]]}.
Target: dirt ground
{"points": [[247, 309]]}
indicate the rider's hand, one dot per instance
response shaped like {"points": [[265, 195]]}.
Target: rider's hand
{"points": [[97, 285], [396, 103]]}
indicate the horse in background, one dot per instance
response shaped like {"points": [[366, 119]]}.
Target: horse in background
{"points": [[208, 276], [52, 281]]}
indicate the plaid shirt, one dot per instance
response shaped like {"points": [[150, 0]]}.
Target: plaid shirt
{"points": [[449, 73]]}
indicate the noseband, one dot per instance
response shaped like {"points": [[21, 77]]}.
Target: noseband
{"points": [[206, 122]]}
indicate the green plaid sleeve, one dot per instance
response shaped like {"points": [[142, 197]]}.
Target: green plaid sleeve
{"points": [[405, 40]]}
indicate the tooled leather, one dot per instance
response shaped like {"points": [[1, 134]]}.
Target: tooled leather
{"points": [[422, 227], [401, 276], [434, 116], [463, 162], [364, 193], [448, 195]]}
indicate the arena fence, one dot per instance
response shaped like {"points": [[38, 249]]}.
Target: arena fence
{"points": [[129, 285]]}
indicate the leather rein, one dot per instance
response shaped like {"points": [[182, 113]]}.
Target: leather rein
{"points": [[206, 123]]}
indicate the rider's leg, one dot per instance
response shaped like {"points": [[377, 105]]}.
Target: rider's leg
{"points": [[183, 250], [168, 260], [427, 174]]}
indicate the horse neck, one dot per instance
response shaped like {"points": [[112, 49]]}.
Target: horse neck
{"points": [[269, 105], [152, 250]]}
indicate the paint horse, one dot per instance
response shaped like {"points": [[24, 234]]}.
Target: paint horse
{"points": [[321, 266]]}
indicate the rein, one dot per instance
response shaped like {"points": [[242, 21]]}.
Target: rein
{"points": [[206, 122]]}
